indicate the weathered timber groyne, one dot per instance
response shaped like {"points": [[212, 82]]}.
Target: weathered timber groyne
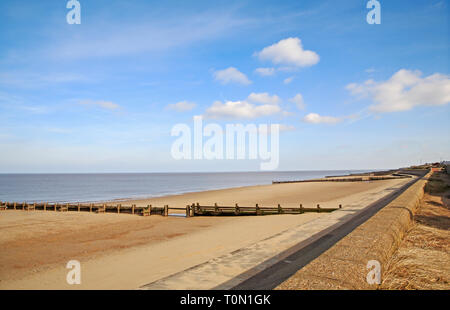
{"points": [[348, 179], [194, 209]]}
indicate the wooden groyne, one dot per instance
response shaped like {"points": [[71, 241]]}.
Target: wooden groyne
{"points": [[347, 179], [64, 207], [194, 209], [199, 210]]}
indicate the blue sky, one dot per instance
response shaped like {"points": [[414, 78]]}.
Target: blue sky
{"points": [[103, 96]]}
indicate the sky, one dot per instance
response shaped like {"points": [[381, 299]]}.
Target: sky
{"points": [[104, 95]]}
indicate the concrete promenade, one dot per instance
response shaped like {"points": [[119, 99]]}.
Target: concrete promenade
{"points": [[233, 269]]}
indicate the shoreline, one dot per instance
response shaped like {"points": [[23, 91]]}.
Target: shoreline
{"points": [[130, 245], [202, 188], [133, 199]]}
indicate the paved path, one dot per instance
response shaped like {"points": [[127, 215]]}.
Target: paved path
{"points": [[267, 263]]}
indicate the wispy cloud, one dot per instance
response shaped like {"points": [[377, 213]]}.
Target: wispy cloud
{"points": [[288, 80], [265, 71], [58, 130], [35, 109], [37, 80], [118, 39], [281, 127], [107, 105], [299, 102], [181, 106]]}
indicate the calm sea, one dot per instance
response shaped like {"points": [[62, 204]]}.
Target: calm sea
{"points": [[111, 186]]}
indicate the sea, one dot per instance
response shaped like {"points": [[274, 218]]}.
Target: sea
{"points": [[95, 187]]}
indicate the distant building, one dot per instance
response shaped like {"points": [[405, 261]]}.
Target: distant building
{"points": [[446, 165]]}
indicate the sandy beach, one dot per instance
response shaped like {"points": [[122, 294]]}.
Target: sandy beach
{"points": [[127, 251], [328, 195]]}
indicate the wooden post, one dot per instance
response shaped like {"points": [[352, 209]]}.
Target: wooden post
{"points": [[34, 206], [148, 211], [45, 206], [78, 207], [340, 206], [15, 206], [279, 209], [236, 209], [56, 206], [90, 207], [132, 208], [67, 206], [301, 209], [118, 208], [318, 208], [188, 211], [257, 209], [166, 210], [193, 210], [216, 209]]}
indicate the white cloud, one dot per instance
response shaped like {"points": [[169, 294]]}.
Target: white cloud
{"points": [[299, 102], [244, 108], [404, 90], [288, 80], [265, 71], [314, 118], [289, 52], [181, 106], [264, 98], [231, 75], [108, 105]]}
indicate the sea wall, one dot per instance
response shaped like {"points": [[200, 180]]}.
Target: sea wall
{"points": [[345, 265]]}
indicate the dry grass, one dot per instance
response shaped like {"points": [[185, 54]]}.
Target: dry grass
{"points": [[437, 183], [423, 259]]}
